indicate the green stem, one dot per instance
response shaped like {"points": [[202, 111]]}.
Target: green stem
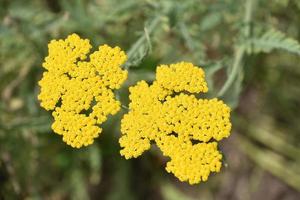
{"points": [[124, 107], [239, 53], [248, 17], [143, 38], [237, 60]]}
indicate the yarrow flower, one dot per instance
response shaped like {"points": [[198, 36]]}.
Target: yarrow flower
{"points": [[186, 129], [78, 87]]}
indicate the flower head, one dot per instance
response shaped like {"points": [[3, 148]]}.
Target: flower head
{"points": [[186, 129], [79, 88]]}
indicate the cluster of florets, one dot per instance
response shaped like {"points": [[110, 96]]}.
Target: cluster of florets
{"points": [[79, 88], [186, 129]]}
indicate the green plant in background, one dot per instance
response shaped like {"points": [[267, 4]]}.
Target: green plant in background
{"points": [[246, 49]]}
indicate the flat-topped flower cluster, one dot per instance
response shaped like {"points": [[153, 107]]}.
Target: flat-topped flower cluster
{"points": [[185, 128], [78, 89]]}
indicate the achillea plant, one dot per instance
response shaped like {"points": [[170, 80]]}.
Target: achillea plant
{"points": [[186, 129], [79, 89]]}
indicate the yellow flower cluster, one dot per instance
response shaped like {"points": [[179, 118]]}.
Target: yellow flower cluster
{"points": [[186, 129], [79, 88]]}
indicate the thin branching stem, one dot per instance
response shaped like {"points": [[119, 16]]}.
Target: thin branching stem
{"points": [[144, 38], [124, 107], [237, 60], [240, 50]]}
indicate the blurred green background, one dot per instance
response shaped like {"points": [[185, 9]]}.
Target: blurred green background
{"points": [[249, 50]]}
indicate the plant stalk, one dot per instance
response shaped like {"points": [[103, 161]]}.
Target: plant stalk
{"points": [[240, 50]]}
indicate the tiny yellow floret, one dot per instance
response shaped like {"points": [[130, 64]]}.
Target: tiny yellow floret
{"points": [[186, 129], [78, 87]]}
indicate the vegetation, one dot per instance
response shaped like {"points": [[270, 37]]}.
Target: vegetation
{"points": [[249, 50]]}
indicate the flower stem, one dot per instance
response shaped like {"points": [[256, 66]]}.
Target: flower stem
{"points": [[143, 38], [240, 51], [124, 107]]}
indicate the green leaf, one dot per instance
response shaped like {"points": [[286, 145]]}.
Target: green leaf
{"points": [[271, 40], [142, 46], [196, 47], [139, 50], [210, 21]]}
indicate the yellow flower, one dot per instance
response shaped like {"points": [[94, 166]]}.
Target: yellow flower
{"points": [[186, 129], [79, 88]]}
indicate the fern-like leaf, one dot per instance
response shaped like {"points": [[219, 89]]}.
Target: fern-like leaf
{"points": [[273, 39]]}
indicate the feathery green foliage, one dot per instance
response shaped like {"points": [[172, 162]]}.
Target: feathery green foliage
{"points": [[224, 37], [273, 39]]}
